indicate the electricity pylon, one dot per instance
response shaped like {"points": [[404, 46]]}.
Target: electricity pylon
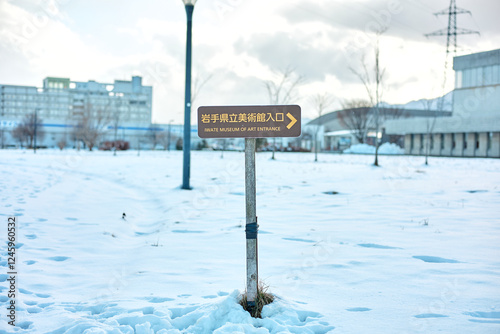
{"points": [[452, 31], [451, 37]]}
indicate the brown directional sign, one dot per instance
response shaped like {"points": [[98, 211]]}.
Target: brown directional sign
{"points": [[249, 121]]}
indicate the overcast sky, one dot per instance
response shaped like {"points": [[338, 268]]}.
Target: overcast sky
{"points": [[238, 44]]}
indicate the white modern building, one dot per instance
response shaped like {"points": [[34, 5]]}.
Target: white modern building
{"points": [[473, 129], [335, 135], [465, 124], [122, 109]]}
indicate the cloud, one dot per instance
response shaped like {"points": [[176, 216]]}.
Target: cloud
{"points": [[408, 19], [361, 16], [105, 40], [301, 50]]}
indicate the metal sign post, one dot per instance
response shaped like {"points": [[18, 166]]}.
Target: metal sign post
{"points": [[250, 122], [251, 223]]}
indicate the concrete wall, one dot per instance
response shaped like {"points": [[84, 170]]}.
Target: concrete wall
{"points": [[426, 144], [407, 140], [436, 147], [476, 59], [477, 144], [494, 150], [470, 148], [472, 105], [458, 149], [482, 151], [416, 144]]}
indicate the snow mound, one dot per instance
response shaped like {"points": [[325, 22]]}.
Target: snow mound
{"points": [[386, 148], [225, 316]]}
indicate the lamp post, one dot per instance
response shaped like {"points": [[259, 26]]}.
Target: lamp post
{"points": [[186, 145]]}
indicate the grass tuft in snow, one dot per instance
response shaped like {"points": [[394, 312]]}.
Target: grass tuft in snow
{"points": [[263, 298]]}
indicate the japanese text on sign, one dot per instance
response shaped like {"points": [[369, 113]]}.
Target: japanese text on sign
{"points": [[249, 121]]}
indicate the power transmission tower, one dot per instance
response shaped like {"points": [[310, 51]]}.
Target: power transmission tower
{"points": [[451, 37], [452, 31]]}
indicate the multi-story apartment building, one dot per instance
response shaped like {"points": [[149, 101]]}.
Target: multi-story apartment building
{"points": [[121, 110]]}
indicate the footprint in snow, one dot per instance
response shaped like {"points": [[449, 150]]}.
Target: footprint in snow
{"points": [[58, 258], [30, 302], [24, 324], [44, 305], [377, 246], [24, 291], [187, 231], [430, 315], [158, 299], [492, 317], [434, 259], [32, 310], [298, 239], [209, 297], [358, 309]]}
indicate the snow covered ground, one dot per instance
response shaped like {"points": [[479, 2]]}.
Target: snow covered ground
{"points": [[346, 247]]}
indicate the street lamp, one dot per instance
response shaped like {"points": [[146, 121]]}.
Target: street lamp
{"points": [[186, 147]]}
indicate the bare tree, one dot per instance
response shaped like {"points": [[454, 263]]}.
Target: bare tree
{"points": [[282, 89], [356, 116], [91, 126], [157, 137], [18, 135], [27, 129], [164, 139], [222, 144], [2, 137], [373, 87], [152, 136], [62, 142], [115, 120], [430, 121], [429, 127], [198, 83], [321, 101]]}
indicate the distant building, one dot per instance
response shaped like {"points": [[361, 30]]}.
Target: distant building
{"points": [[473, 130], [333, 135], [124, 108], [465, 125]]}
